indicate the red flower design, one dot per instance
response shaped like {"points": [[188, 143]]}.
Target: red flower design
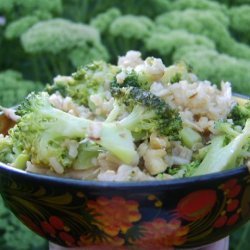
{"points": [[114, 215], [197, 205], [230, 215], [55, 227], [231, 188], [161, 234]]}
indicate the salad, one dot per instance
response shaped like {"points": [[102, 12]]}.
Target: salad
{"points": [[134, 121]]}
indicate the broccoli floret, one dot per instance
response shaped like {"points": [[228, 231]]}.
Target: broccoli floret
{"points": [[141, 75], [147, 113], [222, 157], [91, 79], [6, 149], [185, 170], [222, 127], [132, 79], [240, 113], [46, 132]]}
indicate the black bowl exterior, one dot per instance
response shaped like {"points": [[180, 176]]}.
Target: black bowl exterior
{"points": [[182, 213]]}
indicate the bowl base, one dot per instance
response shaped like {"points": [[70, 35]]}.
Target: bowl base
{"points": [[222, 244]]}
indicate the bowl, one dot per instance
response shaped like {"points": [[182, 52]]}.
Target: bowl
{"points": [[184, 213]]}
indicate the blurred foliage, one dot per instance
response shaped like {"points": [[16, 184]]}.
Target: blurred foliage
{"points": [[14, 235], [239, 240], [40, 39]]}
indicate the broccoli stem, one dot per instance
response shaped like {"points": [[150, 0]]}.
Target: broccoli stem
{"points": [[103, 133], [221, 157], [133, 119], [190, 137], [20, 161]]}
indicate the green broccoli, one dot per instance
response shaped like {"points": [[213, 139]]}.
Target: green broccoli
{"points": [[185, 170], [222, 157], [176, 73], [38, 134], [147, 113], [240, 113], [132, 79], [226, 128], [90, 79], [6, 149], [87, 153], [143, 78]]}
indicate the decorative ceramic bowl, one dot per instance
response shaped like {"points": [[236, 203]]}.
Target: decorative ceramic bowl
{"points": [[147, 215]]}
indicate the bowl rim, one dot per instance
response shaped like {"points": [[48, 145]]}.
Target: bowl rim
{"points": [[171, 183]]}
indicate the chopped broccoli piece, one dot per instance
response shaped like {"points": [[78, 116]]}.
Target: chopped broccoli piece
{"points": [[6, 153], [240, 113], [90, 79], [185, 170], [87, 152], [226, 128], [190, 137], [148, 113], [43, 131], [220, 157], [133, 79], [21, 160]]}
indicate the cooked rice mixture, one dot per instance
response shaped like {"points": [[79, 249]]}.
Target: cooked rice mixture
{"points": [[200, 104]]}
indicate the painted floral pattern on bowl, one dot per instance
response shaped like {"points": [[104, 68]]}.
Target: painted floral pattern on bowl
{"points": [[162, 220]]}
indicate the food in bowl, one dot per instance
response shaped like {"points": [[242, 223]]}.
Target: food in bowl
{"points": [[114, 130], [135, 121]]}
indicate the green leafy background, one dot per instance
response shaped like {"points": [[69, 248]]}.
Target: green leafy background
{"points": [[40, 39]]}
